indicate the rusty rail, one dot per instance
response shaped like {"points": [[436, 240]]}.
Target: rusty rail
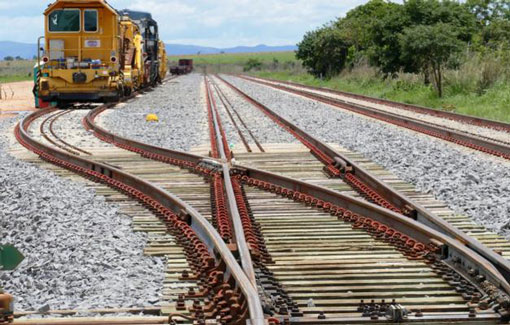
{"points": [[420, 240], [225, 156], [473, 120], [400, 201], [196, 230], [227, 104], [412, 237], [489, 146]]}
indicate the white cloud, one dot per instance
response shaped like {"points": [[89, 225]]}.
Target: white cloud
{"points": [[167, 8], [21, 29], [235, 22], [202, 22]]}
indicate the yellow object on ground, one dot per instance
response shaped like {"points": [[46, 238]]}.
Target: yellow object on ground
{"points": [[152, 118]]}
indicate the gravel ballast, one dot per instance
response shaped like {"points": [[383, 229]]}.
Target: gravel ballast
{"points": [[468, 182], [456, 125], [180, 107], [261, 126], [80, 251]]}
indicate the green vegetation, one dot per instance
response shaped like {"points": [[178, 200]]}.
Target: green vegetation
{"points": [[443, 54], [19, 70], [423, 37], [461, 88], [235, 58], [240, 62]]}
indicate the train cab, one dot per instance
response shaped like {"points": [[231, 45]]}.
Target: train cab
{"points": [[80, 58]]}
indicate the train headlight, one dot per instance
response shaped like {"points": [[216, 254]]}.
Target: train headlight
{"points": [[113, 59], [45, 59]]}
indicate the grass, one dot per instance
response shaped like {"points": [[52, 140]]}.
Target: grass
{"points": [[236, 58], [235, 62], [461, 95], [11, 71]]}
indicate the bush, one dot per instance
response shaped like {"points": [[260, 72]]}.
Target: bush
{"points": [[323, 52], [252, 64], [489, 75]]}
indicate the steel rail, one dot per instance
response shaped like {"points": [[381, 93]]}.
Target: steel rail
{"points": [[393, 197], [489, 146], [45, 135], [473, 120], [54, 134], [418, 212], [469, 264], [241, 135], [226, 102], [202, 228], [455, 253], [244, 251]]}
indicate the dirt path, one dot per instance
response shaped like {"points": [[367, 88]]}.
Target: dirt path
{"points": [[16, 96]]}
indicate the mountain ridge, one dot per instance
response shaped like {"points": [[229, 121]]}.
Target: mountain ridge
{"points": [[27, 51]]}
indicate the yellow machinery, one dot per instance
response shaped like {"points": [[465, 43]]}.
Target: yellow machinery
{"points": [[163, 59], [94, 53], [132, 66]]}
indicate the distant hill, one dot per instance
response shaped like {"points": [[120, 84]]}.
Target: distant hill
{"points": [[179, 49], [27, 51]]}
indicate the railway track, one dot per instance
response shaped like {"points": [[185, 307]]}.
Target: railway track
{"points": [[494, 140], [468, 119], [311, 257], [305, 253], [197, 271], [372, 188]]}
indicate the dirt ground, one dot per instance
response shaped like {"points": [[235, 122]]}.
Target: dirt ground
{"points": [[16, 96]]}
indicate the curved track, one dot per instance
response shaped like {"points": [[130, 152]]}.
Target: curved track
{"points": [[211, 265], [286, 271]]}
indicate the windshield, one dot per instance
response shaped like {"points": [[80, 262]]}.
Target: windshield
{"points": [[90, 20], [64, 20]]}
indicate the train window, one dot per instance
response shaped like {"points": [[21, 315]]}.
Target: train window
{"points": [[64, 20], [91, 21]]}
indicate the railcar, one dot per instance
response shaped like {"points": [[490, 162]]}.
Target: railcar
{"points": [[91, 52], [184, 66]]}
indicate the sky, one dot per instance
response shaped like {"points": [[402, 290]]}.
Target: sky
{"points": [[223, 23]]}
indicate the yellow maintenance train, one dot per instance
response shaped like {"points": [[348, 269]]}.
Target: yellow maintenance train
{"points": [[94, 53]]}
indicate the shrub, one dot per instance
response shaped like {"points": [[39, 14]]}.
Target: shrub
{"points": [[252, 64]]}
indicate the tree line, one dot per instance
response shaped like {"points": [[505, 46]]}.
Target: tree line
{"points": [[10, 58], [418, 36]]}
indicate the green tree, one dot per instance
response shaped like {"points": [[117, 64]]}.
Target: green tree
{"points": [[430, 46], [492, 17], [9, 58], [386, 52], [361, 28], [487, 11], [252, 64], [358, 25], [430, 12], [323, 51]]}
